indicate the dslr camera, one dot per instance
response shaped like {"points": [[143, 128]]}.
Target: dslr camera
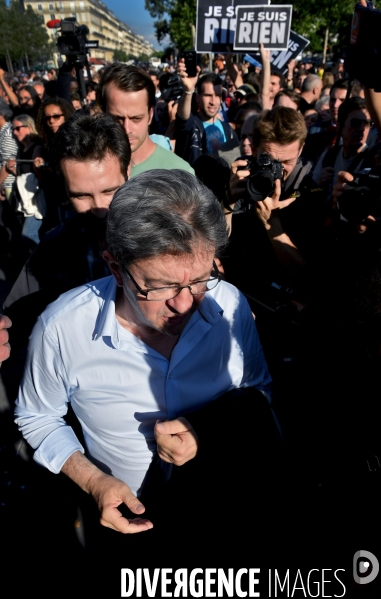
{"points": [[174, 89], [263, 173], [364, 196]]}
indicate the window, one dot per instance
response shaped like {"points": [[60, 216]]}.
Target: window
{"points": [[83, 17], [72, 5], [39, 7], [62, 6], [73, 14], [52, 17], [51, 7], [82, 5]]}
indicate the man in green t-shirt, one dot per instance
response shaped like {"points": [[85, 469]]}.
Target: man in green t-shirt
{"points": [[128, 93]]}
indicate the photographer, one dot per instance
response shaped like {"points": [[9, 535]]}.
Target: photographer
{"points": [[203, 133], [274, 235]]}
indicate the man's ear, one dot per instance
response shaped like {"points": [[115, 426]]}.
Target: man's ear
{"points": [[301, 149], [150, 116], [114, 266]]}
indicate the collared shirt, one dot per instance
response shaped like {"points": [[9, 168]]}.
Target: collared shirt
{"points": [[119, 386]]}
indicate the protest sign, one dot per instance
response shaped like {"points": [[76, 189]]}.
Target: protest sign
{"points": [[215, 23], [269, 25], [296, 44]]}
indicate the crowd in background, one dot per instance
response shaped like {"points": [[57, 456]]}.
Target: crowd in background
{"points": [[317, 304]]}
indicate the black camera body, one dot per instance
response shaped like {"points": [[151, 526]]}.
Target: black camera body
{"points": [[174, 89], [364, 196], [73, 41], [263, 173]]}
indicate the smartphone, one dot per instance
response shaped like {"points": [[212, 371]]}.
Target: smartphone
{"points": [[190, 58]]}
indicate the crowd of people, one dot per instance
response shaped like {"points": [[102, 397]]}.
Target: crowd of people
{"points": [[191, 293]]}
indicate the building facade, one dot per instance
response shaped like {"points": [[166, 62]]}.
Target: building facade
{"points": [[111, 33]]}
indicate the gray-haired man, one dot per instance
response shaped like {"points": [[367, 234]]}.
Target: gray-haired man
{"points": [[162, 337]]}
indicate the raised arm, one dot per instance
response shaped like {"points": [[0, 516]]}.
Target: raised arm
{"points": [[189, 85], [8, 90], [265, 78]]}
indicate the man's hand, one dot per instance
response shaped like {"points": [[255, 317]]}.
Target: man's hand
{"points": [[238, 179], [5, 348], [189, 83], [10, 166], [342, 179], [109, 493], [2, 74], [176, 440], [172, 110], [267, 209], [38, 162], [326, 176]]}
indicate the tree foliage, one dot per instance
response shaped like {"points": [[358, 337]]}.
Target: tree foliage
{"points": [[121, 56], [176, 18], [312, 17], [23, 34]]}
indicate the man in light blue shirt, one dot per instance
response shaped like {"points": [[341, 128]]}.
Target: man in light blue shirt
{"points": [[134, 352]]}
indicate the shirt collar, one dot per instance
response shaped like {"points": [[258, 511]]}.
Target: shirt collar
{"points": [[106, 325]]}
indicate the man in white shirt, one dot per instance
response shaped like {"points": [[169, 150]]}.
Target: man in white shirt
{"points": [[162, 337]]}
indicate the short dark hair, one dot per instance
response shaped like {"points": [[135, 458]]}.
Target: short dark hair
{"points": [[280, 125], [90, 138], [276, 73], [170, 213], [350, 105], [339, 84], [213, 78], [127, 78]]}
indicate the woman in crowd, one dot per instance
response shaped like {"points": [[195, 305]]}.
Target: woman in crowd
{"points": [[52, 114], [27, 197], [24, 101]]}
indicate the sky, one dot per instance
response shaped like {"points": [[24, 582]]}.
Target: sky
{"points": [[134, 14]]}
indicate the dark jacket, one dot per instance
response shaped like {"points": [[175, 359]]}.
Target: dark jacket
{"points": [[191, 138]]}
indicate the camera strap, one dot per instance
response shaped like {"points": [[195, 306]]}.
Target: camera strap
{"points": [[293, 181]]}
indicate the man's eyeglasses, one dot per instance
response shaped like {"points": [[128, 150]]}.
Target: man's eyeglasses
{"points": [[354, 123], [55, 117], [19, 127], [167, 293]]}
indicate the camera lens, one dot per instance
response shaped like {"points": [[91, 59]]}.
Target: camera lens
{"points": [[260, 185]]}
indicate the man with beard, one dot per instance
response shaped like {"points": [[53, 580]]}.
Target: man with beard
{"points": [[92, 157]]}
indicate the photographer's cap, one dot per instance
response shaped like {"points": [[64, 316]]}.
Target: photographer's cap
{"points": [[246, 89]]}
